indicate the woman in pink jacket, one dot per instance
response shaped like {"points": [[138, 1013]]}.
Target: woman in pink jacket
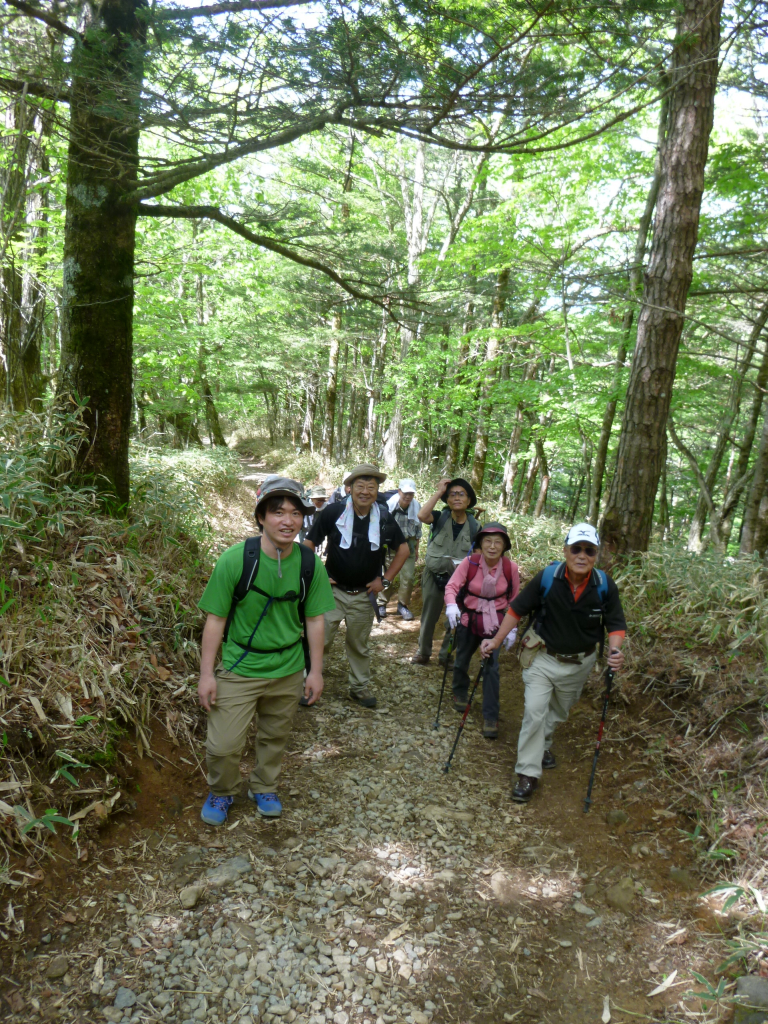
{"points": [[476, 598]]}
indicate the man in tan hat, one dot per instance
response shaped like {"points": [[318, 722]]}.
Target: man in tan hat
{"points": [[357, 532]]}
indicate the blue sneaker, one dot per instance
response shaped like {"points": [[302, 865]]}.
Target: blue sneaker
{"points": [[268, 804], [215, 809]]}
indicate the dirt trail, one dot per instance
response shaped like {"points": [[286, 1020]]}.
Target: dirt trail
{"points": [[388, 891]]}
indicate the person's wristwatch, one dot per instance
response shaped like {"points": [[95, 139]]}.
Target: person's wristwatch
{"points": [[385, 583]]}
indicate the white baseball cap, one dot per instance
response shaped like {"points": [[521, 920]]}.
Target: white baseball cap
{"points": [[407, 486], [583, 531]]}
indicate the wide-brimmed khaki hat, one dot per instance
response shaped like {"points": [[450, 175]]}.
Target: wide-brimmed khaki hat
{"points": [[282, 486], [365, 470]]}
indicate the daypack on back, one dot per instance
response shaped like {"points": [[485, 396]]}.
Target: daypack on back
{"points": [[472, 571], [251, 556]]}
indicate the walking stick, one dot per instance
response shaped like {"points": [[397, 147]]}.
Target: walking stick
{"points": [[445, 676], [463, 719], [606, 695]]}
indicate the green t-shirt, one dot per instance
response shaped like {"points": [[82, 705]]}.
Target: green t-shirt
{"points": [[280, 627]]}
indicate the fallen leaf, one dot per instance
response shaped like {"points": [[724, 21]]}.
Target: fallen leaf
{"points": [[667, 983], [539, 994], [153, 660], [677, 938], [163, 673], [38, 709], [606, 1010]]}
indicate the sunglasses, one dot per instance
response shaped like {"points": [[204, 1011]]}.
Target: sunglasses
{"points": [[588, 550]]}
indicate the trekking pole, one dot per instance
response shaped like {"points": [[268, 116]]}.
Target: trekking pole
{"points": [[445, 676], [463, 719], [606, 695]]}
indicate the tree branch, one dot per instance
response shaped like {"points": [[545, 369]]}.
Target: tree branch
{"points": [[44, 92], [688, 454], [46, 18], [264, 241], [231, 7]]}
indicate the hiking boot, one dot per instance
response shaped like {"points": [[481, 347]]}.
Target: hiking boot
{"points": [[549, 760], [420, 659], [405, 613], [460, 703], [215, 809], [490, 728], [267, 803], [524, 789], [365, 697]]}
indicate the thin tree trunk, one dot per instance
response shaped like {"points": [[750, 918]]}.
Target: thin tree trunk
{"points": [[310, 393], [544, 466], [753, 528], [329, 424], [490, 372], [99, 236], [629, 514], [530, 480]]}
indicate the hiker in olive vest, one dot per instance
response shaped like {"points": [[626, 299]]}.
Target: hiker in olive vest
{"points": [[453, 533]]}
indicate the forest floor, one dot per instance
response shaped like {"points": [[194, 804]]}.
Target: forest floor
{"points": [[389, 891]]}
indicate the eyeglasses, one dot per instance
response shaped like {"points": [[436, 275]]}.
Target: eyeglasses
{"points": [[589, 551]]}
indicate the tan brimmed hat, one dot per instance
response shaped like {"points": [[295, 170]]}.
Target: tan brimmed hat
{"points": [[365, 470]]}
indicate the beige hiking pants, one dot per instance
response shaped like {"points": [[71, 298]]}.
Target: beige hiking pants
{"points": [[552, 687], [238, 698], [356, 611], [406, 575]]}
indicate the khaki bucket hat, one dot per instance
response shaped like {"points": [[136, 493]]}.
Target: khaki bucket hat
{"points": [[365, 469]]}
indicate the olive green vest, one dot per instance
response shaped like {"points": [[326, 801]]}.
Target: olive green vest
{"points": [[443, 549]]}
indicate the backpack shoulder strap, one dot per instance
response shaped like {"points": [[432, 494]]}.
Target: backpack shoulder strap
{"points": [[474, 526], [506, 566], [251, 553], [548, 577], [442, 519], [601, 582], [307, 573]]}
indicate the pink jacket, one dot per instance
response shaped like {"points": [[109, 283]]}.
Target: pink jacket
{"points": [[459, 578]]}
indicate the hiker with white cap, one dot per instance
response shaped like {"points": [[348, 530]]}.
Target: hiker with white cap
{"points": [[405, 509], [358, 531], [319, 498], [265, 601], [476, 597], [572, 604]]}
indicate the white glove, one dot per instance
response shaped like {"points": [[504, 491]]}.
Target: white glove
{"points": [[509, 639], [454, 615]]}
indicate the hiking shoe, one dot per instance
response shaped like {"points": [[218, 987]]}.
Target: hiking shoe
{"points": [[267, 803], [460, 703], [215, 809], [524, 789], [405, 613], [490, 728], [420, 659], [549, 760], [364, 697]]}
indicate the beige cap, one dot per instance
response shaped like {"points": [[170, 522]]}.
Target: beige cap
{"points": [[365, 470]]}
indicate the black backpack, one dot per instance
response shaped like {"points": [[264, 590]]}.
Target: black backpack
{"points": [[251, 555]]}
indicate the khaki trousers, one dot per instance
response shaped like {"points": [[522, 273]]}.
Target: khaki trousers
{"points": [[432, 607], [238, 698], [356, 611], [406, 576], [552, 687]]}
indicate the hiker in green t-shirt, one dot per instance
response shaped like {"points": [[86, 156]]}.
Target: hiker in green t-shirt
{"points": [[261, 595]]}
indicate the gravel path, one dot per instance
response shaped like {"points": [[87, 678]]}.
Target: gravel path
{"points": [[389, 891]]}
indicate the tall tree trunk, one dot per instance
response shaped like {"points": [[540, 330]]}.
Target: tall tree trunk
{"points": [[489, 371], [99, 236], [663, 498], [454, 440], [629, 513], [545, 477], [753, 528], [329, 425], [633, 294], [530, 480], [215, 432], [310, 393]]}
